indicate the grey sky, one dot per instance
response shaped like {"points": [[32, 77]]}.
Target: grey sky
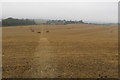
{"points": [[87, 11]]}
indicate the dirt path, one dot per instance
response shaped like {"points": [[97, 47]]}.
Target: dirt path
{"points": [[43, 67]]}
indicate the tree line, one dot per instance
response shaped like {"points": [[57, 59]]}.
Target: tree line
{"points": [[16, 22], [57, 22]]}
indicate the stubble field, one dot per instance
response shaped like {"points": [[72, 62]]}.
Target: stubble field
{"points": [[60, 51]]}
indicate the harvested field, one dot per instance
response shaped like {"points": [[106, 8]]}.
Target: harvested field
{"points": [[65, 51]]}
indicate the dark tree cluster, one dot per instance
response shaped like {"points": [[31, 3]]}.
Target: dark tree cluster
{"points": [[57, 22], [74, 22], [15, 22]]}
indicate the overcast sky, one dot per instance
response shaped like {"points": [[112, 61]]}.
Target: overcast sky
{"points": [[87, 11]]}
